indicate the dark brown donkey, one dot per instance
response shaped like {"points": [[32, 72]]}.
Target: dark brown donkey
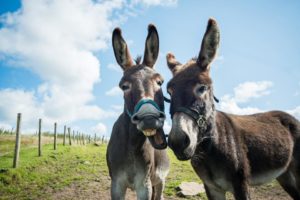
{"points": [[228, 152], [136, 154]]}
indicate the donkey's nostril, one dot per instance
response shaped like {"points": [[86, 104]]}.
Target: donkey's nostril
{"points": [[179, 142], [135, 118], [186, 141], [162, 115]]}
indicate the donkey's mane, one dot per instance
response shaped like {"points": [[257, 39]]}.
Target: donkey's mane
{"points": [[138, 60]]}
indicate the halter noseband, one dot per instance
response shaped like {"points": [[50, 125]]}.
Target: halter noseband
{"points": [[140, 104]]}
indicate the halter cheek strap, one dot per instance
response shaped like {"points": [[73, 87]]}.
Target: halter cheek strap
{"points": [[200, 119], [166, 99], [140, 104]]}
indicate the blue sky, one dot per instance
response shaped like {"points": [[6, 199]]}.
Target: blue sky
{"points": [[57, 63]]}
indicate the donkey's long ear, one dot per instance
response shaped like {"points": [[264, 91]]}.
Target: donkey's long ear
{"points": [[210, 44], [173, 64], [121, 50], [151, 47]]}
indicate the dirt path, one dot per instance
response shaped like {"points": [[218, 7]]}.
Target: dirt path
{"points": [[100, 190]]}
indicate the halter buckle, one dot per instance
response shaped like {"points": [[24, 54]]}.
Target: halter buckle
{"points": [[201, 121]]}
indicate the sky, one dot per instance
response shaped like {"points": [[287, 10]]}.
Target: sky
{"points": [[57, 62]]}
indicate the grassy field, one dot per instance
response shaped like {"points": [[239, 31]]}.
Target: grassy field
{"points": [[80, 172], [41, 177]]}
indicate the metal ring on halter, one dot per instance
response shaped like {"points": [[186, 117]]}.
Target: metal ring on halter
{"points": [[200, 119]]}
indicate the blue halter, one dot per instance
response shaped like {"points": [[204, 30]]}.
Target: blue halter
{"points": [[139, 105]]}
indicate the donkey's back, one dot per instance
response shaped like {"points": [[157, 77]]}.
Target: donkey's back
{"points": [[269, 141]]}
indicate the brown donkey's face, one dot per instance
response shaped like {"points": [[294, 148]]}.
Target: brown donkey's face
{"points": [[141, 84], [191, 89]]}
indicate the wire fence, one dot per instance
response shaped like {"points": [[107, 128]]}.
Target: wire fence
{"points": [[12, 140]]}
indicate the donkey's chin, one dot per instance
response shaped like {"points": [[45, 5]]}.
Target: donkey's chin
{"points": [[187, 154], [156, 137]]}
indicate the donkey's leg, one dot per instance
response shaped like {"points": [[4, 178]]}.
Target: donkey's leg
{"points": [[213, 194], [297, 177], [144, 192], [287, 182], [240, 188], [118, 190], [296, 160], [158, 191]]}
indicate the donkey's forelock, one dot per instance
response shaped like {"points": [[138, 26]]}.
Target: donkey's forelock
{"points": [[138, 60]]}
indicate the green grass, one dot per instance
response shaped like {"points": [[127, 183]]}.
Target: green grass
{"points": [[77, 166], [179, 171], [36, 176], [53, 171], [7, 142]]}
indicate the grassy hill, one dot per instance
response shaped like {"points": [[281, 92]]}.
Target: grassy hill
{"points": [[80, 172], [82, 168]]}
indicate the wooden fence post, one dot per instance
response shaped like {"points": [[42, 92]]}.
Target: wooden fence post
{"points": [[18, 141], [55, 136], [64, 139], [80, 139], [83, 142], [77, 138], [73, 137], [102, 139], [40, 137], [69, 132], [95, 138]]}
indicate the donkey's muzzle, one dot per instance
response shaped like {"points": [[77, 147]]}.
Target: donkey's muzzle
{"points": [[150, 120], [149, 115]]}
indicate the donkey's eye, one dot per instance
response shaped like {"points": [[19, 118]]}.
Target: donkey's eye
{"points": [[125, 87], [200, 89], [159, 82]]}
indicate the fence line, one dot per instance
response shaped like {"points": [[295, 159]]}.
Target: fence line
{"points": [[79, 138]]}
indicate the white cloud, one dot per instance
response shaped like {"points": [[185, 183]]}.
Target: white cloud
{"points": [[117, 107], [57, 40], [156, 2], [248, 90], [244, 93], [230, 105], [114, 67], [19, 101], [100, 129], [5, 126], [295, 112], [115, 91]]}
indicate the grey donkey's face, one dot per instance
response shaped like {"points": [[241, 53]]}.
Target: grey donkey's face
{"points": [[191, 88], [141, 85]]}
